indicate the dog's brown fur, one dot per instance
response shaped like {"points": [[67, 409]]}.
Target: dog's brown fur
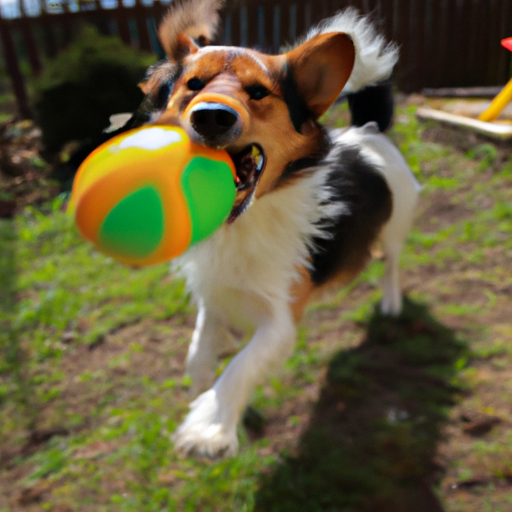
{"points": [[228, 73]]}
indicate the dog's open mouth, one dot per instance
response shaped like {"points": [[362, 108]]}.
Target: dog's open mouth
{"points": [[249, 164]]}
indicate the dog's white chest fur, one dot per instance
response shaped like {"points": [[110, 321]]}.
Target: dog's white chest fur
{"points": [[251, 263], [244, 272]]}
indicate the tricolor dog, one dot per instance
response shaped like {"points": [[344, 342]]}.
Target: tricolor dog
{"points": [[309, 205]]}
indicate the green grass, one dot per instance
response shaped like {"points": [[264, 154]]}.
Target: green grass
{"points": [[67, 294], [96, 348], [64, 283]]}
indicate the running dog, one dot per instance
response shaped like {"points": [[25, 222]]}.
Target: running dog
{"points": [[309, 204]]}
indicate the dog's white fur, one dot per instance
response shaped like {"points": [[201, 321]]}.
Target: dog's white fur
{"points": [[243, 273]]}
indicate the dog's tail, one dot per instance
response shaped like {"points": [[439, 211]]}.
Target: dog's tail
{"points": [[369, 88], [375, 58]]}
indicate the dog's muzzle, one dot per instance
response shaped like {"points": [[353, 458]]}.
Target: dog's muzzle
{"points": [[218, 120]]}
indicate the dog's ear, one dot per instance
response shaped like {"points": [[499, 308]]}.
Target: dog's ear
{"points": [[320, 67]]}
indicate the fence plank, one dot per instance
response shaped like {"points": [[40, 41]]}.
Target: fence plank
{"points": [[387, 19], [268, 14], [121, 16], [424, 38], [261, 40], [13, 68], [284, 25], [67, 27], [493, 41], [276, 28], [507, 32], [251, 22], [470, 37], [457, 43], [50, 43], [440, 42], [30, 43], [308, 16], [504, 13], [481, 51], [140, 15], [405, 66], [235, 27], [301, 18]]}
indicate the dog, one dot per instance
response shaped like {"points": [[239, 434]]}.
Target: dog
{"points": [[309, 204]]}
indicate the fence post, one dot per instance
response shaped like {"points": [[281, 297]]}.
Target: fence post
{"points": [[122, 23], [30, 42], [141, 21], [13, 68]]}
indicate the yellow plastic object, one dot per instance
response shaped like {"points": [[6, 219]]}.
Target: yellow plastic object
{"points": [[146, 195], [503, 98], [498, 104]]}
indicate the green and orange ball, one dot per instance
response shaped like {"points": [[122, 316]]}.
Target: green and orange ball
{"points": [[145, 196]]}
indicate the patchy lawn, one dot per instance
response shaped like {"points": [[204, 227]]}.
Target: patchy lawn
{"points": [[369, 414]]}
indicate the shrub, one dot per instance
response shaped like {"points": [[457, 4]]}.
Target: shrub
{"points": [[95, 77]]}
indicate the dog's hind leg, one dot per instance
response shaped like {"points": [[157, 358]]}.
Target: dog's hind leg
{"points": [[392, 240], [209, 340], [391, 303], [404, 190]]}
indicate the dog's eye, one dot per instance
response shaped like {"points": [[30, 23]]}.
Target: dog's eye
{"points": [[194, 84], [257, 92]]}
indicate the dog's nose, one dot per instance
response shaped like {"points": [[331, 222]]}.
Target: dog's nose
{"points": [[212, 120]]}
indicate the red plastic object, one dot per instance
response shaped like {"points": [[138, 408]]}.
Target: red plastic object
{"points": [[507, 43]]}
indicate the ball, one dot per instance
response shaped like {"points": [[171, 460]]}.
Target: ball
{"points": [[147, 195]]}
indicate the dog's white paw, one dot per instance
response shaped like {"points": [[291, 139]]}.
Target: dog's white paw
{"points": [[202, 433]]}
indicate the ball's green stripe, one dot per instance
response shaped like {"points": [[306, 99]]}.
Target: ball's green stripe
{"points": [[135, 226], [209, 190]]}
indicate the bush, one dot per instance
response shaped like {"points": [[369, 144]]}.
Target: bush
{"points": [[95, 77]]}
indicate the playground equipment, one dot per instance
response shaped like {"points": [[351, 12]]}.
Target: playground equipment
{"points": [[486, 123], [503, 98]]}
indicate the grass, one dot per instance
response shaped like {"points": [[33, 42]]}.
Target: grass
{"points": [[92, 385]]}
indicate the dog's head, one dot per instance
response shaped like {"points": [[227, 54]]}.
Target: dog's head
{"points": [[262, 109]]}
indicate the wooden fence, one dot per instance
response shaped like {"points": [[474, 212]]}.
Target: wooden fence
{"points": [[444, 43]]}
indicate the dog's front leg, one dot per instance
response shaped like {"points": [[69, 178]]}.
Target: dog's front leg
{"points": [[210, 427], [210, 339]]}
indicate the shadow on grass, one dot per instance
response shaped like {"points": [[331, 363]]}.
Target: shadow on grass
{"points": [[371, 443]]}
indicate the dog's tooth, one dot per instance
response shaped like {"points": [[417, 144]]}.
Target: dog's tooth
{"points": [[257, 156]]}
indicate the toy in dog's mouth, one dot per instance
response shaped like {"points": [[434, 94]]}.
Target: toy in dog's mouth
{"points": [[249, 164]]}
